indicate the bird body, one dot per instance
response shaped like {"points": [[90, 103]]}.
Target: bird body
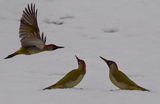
{"points": [[119, 79], [31, 40], [72, 78]]}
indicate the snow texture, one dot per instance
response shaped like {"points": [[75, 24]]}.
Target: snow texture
{"points": [[126, 31]]}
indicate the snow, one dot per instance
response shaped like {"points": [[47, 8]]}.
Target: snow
{"points": [[126, 31]]}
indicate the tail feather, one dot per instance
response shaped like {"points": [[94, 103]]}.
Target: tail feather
{"points": [[48, 88], [11, 55], [143, 89], [53, 87], [136, 87]]}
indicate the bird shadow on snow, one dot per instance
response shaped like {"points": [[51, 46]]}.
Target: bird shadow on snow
{"points": [[110, 30], [114, 90], [120, 90], [59, 21], [74, 88]]}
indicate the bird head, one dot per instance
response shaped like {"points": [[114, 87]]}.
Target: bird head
{"points": [[52, 47], [111, 64], [81, 64]]}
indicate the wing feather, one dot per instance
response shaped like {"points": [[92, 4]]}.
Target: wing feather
{"points": [[29, 30], [121, 77]]}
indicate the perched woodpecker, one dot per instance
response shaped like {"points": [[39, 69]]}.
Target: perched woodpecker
{"points": [[119, 79], [72, 78], [31, 40]]}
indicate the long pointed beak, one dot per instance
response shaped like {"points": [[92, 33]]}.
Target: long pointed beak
{"points": [[59, 47], [103, 59], [77, 58]]}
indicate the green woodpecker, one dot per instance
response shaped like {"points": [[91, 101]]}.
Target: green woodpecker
{"points": [[31, 40], [72, 78], [119, 79]]}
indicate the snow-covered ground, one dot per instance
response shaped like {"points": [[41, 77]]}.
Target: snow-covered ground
{"points": [[126, 31]]}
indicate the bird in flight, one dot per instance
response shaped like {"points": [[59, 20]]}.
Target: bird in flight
{"points": [[32, 41]]}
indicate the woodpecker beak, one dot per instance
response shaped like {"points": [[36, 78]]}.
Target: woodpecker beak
{"points": [[58, 47], [77, 59], [105, 60]]}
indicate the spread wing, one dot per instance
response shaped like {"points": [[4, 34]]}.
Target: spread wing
{"points": [[29, 31]]}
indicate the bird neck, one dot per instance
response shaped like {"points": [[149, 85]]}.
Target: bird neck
{"points": [[82, 67], [113, 68], [48, 47]]}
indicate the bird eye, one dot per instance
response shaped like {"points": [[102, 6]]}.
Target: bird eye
{"points": [[109, 63]]}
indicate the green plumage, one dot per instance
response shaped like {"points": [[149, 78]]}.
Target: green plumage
{"points": [[72, 78], [119, 79], [126, 82]]}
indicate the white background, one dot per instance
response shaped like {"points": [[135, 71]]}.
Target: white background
{"points": [[126, 31]]}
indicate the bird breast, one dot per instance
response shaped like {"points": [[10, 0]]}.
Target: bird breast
{"points": [[120, 85]]}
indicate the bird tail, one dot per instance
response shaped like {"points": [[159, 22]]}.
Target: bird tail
{"points": [[48, 88], [53, 87], [11, 55], [142, 89]]}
